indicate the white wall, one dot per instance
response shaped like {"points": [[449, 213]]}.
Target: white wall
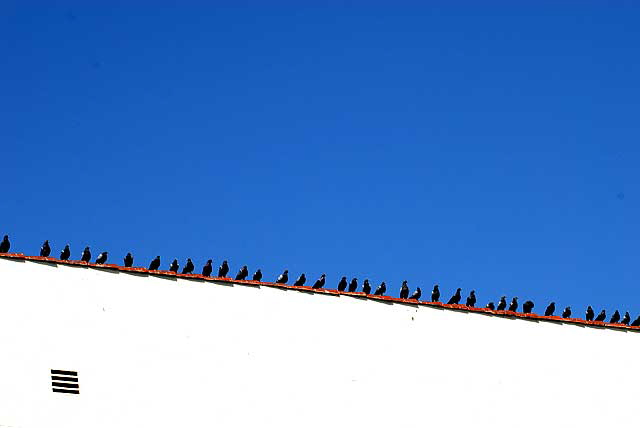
{"points": [[165, 352]]}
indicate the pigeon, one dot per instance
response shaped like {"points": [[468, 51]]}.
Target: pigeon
{"points": [[223, 270], [342, 285], [65, 253], [636, 322], [188, 267], [283, 278], [257, 276], [243, 273], [320, 281], [86, 255], [416, 294], [5, 245], [527, 307], [207, 268], [102, 258], [567, 312], [514, 304], [589, 314], [366, 287], [550, 309], [601, 316], [491, 306], [173, 267], [353, 285], [300, 281], [382, 288], [626, 318], [471, 300], [502, 303], [615, 318], [455, 299], [435, 294], [128, 260], [155, 264], [45, 250], [404, 290]]}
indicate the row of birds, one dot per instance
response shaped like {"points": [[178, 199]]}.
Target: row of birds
{"points": [[343, 285]]}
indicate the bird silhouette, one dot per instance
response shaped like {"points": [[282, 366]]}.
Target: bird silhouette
{"points": [[257, 276], [155, 263], [455, 299], [471, 300], [625, 319], [416, 294], [86, 255], [567, 312], [320, 281], [527, 307], [589, 314], [128, 260], [366, 287], [636, 322], [188, 267], [514, 304], [5, 245], [353, 285], [45, 250], [65, 253], [102, 258], [243, 273], [174, 266], [435, 294], [342, 285], [491, 306], [207, 268], [382, 288], [300, 281], [550, 309], [601, 316], [223, 270], [283, 278], [404, 290], [615, 318], [502, 303]]}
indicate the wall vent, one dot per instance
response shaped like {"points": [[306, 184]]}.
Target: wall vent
{"points": [[65, 382]]}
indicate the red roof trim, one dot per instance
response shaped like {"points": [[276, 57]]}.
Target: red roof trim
{"points": [[390, 299]]}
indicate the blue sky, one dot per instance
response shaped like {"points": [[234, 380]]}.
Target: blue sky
{"points": [[491, 148]]}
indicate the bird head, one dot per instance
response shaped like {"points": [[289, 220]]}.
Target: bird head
{"points": [[224, 262], [323, 275], [209, 261], [473, 292], [286, 271], [458, 290], [515, 299], [6, 237], [404, 282], [418, 289], [436, 287]]}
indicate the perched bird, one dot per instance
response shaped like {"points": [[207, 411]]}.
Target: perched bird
{"points": [[283, 278], [155, 264], [435, 294], [567, 312], [102, 258], [625, 319], [601, 316], [382, 288], [86, 255], [353, 285], [527, 307], [589, 314], [243, 273], [502, 303], [404, 290], [636, 322], [416, 294], [5, 245], [65, 253], [455, 299], [128, 260], [300, 281], [491, 306], [366, 287], [615, 318], [45, 250], [223, 270], [471, 300], [320, 281], [207, 268], [342, 285], [550, 309], [514, 304], [257, 276], [188, 267], [173, 267]]}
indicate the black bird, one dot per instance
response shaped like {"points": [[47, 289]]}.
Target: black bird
{"points": [[257, 276], [404, 290], [491, 306], [207, 268], [502, 303], [550, 309], [173, 267], [636, 322], [416, 294], [66, 253], [527, 307], [471, 300], [45, 250], [342, 285], [223, 270], [128, 260], [188, 267], [601, 316], [589, 314], [320, 281], [455, 299], [366, 287], [155, 264], [300, 281], [382, 288], [353, 285], [435, 294], [102, 258], [5, 245], [615, 318], [283, 278], [626, 318], [243, 273], [567, 312], [86, 255], [514, 304]]}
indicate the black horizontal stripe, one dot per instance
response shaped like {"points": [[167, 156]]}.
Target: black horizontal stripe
{"points": [[67, 391], [65, 378], [64, 373], [65, 385]]}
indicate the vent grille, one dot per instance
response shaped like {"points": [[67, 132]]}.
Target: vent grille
{"points": [[65, 382]]}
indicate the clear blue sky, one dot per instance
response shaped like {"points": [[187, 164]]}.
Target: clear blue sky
{"points": [[491, 148]]}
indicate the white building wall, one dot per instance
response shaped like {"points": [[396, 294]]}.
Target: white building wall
{"points": [[166, 352]]}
